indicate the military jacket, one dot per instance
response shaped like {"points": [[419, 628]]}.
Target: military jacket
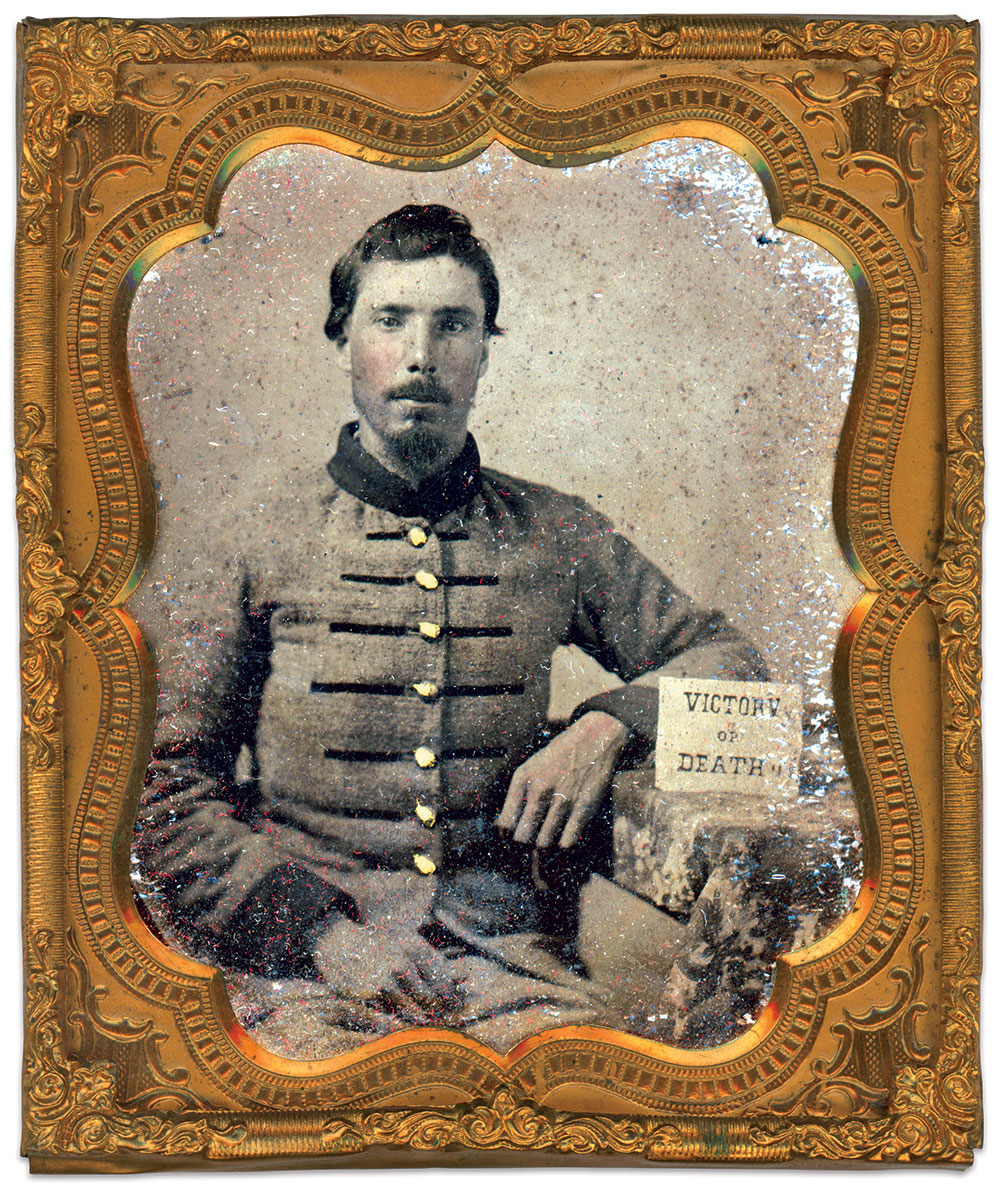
{"points": [[374, 670]]}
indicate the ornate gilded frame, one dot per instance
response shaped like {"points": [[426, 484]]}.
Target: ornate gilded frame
{"points": [[865, 137]]}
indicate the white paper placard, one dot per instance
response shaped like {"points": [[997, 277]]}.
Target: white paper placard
{"points": [[733, 736]]}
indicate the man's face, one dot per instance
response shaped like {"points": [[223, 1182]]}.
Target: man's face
{"points": [[415, 347]]}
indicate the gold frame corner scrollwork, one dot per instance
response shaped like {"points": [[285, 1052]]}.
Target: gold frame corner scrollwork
{"points": [[865, 136]]}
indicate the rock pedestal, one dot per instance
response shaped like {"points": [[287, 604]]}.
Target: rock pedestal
{"points": [[744, 880]]}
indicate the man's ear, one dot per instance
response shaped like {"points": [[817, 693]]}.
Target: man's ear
{"points": [[342, 353], [484, 360]]}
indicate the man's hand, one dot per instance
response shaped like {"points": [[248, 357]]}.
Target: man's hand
{"points": [[553, 795], [374, 961]]}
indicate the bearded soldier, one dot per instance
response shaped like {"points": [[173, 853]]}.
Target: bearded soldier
{"points": [[356, 784]]}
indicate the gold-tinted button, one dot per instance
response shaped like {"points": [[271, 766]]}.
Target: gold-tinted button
{"points": [[424, 864], [426, 580], [429, 629], [427, 816], [427, 689], [425, 757], [417, 536]]}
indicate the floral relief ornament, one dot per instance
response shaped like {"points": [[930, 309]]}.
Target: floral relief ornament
{"points": [[72, 1107], [935, 1111], [47, 583], [499, 50], [72, 67], [928, 65], [955, 595]]}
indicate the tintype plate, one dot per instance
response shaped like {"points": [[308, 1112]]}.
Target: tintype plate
{"points": [[605, 783]]}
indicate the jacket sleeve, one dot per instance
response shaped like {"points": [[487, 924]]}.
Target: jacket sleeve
{"points": [[228, 891], [640, 626]]}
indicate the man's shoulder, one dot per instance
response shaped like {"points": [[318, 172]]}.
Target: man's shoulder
{"points": [[283, 515], [532, 496], [541, 511]]}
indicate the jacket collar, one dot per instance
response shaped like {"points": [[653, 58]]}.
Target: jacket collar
{"points": [[353, 469]]}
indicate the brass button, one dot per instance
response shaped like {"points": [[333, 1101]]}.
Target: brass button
{"points": [[425, 757], [426, 580], [424, 864], [429, 629], [427, 816], [417, 536], [427, 689]]}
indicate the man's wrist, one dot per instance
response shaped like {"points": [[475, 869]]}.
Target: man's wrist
{"points": [[606, 731]]}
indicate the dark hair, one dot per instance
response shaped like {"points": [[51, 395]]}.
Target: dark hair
{"points": [[407, 235]]}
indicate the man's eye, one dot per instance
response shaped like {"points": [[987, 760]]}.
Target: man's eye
{"points": [[388, 321], [453, 324]]}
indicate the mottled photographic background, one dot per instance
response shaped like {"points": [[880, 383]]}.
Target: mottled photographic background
{"points": [[667, 354]]}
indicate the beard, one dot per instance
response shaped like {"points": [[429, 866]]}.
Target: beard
{"points": [[420, 444], [420, 447]]}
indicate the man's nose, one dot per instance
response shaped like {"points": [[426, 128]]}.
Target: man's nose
{"points": [[421, 351]]}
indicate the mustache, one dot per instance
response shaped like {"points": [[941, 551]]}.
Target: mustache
{"points": [[427, 389]]}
